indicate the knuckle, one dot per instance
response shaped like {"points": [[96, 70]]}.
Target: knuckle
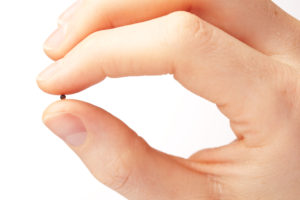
{"points": [[287, 86], [118, 172], [188, 29], [121, 172]]}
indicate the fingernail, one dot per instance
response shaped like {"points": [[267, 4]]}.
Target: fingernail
{"points": [[68, 127], [65, 16], [55, 39], [49, 72]]}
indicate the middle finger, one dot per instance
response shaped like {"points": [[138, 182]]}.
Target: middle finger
{"points": [[259, 23]]}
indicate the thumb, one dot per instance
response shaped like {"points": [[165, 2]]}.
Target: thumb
{"points": [[119, 158]]}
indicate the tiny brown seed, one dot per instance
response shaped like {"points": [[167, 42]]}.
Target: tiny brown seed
{"points": [[62, 97]]}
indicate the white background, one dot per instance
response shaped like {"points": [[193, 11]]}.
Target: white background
{"points": [[35, 164]]}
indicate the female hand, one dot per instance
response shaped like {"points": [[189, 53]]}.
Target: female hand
{"points": [[241, 55]]}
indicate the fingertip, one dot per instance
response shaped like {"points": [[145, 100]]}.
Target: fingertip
{"points": [[55, 49], [67, 105], [52, 80], [57, 44], [76, 107], [51, 53], [40, 83], [56, 107], [68, 125], [44, 86]]}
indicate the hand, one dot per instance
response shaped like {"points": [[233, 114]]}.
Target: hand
{"points": [[241, 55]]}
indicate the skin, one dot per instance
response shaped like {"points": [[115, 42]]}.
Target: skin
{"points": [[241, 55]]}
